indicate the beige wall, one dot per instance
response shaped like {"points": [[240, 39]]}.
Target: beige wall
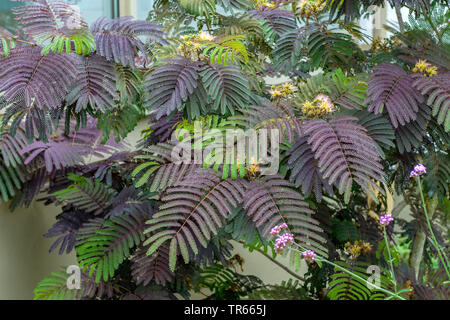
{"points": [[24, 256]]}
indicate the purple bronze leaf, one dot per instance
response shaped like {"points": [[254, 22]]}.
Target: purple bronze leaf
{"points": [[95, 85], [392, 88], [280, 20], [37, 81], [66, 228], [45, 19], [117, 39], [345, 154], [154, 267], [170, 84], [305, 171]]}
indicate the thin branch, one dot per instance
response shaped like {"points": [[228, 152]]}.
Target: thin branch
{"points": [[398, 12], [292, 273]]}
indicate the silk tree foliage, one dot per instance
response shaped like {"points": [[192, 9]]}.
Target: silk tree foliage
{"points": [[352, 123]]}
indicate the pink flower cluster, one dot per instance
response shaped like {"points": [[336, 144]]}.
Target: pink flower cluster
{"points": [[282, 241], [276, 230], [419, 169], [308, 255], [386, 219]]}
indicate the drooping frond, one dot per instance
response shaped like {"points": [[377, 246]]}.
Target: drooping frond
{"points": [[129, 84], [86, 194], [437, 90], [390, 88], [159, 130], [160, 166], [69, 149], [55, 287], [192, 210], [225, 50], [305, 171], [34, 183], [242, 228], [438, 134], [130, 200], [275, 21], [227, 87], [350, 9], [57, 155], [346, 91], [344, 286], [66, 228], [218, 249], [242, 24], [118, 39], [33, 121], [170, 84], [11, 180], [346, 154], [198, 103], [411, 134], [10, 148], [58, 22], [102, 250], [120, 163], [204, 8], [235, 4], [327, 48], [176, 85], [266, 115], [289, 49], [95, 85], [154, 267], [35, 80], [271, 200], [378, 128], [120, 122]]}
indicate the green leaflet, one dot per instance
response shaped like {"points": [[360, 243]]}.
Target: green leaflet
{"points": [[344, 286], [104, 249], [55, 287], [173, 254], [227, 88], [87, 194], [7, 43], [199, 7], [83, 41], [223, 50]]}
